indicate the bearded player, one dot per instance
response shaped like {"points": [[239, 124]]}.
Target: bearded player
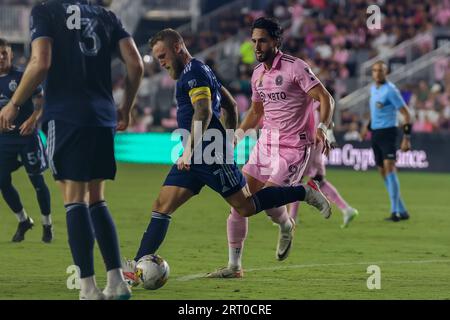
{"points": [[284, 91]]}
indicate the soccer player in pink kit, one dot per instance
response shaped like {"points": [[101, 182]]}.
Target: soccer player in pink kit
{"points": [[284, 90], [316, 171]]}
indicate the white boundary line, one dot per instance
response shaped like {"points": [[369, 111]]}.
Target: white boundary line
{"points": [[318, 265]]}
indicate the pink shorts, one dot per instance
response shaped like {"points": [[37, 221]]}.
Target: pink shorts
{"points": [[316, 165], [280, 166]]}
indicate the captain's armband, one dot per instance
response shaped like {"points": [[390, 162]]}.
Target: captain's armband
{"points": [[200, 93]]}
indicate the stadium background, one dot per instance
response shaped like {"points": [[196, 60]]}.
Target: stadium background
{"points": [[332, 36]]}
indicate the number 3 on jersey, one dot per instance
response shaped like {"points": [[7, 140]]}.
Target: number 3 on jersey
{"points": [[91, 43]]}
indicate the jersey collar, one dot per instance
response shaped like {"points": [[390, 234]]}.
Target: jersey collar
{"points": [[381, 86], [276, 61], [188, 66]]}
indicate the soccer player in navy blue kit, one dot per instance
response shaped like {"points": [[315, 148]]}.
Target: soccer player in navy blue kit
{"points": [[385, 102], [200, 100], [24, 141], [72, 45]]}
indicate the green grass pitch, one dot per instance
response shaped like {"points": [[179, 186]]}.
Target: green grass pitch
{"points": [[325, 263]]}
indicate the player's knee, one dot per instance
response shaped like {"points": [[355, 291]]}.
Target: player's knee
{"points": [[74, 197], [389, 167], [96, 197], [162, 207], [245, 211], [234, 214]]}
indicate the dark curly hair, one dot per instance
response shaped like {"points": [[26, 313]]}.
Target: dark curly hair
{"points": [[272, 26]]}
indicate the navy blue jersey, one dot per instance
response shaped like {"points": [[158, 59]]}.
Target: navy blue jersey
{"points": [[221, 176], [78, 87], [8, 85], [197, 75]]}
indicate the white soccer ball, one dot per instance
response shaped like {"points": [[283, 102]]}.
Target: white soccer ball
{"points": [[153, 271]]}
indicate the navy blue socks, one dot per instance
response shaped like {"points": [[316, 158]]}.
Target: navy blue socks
{"points": [[81, 238], [106, 235], [154, 236]]}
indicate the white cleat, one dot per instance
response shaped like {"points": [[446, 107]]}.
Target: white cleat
{"points": [[97, 294], [121, 292], [129, 272], [285, 242], [349, 215], [317, 199]]}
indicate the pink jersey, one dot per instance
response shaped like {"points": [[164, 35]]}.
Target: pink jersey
{"points": [[287, 106]]}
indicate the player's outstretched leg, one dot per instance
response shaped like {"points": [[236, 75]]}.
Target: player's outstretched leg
{"points": [[274, 197], [154, 235], [12, 199], [169, 200], [43, 197], [237, 228]]}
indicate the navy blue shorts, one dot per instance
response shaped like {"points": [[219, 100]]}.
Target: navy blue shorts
{"points": [[384, 145], [80, 154], [31, 154], [225, 179]]}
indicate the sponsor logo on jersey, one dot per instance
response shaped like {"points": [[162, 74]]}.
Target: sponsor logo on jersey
{"points": [[192, 84], [279, 80], [273, 96]]}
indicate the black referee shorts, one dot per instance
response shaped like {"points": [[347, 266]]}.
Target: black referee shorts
{"points": [[384, 145]]}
